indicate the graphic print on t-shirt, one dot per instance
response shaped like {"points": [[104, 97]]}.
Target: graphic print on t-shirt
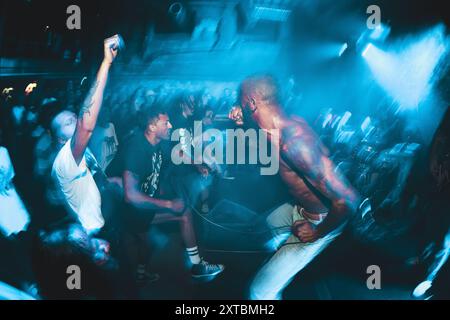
{"points": [[110, 146], [150, 183]]}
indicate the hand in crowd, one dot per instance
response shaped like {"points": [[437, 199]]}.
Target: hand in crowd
{"points": [[177, 205], [101, 250], [305, 231], [236, 115], [111, 48]]}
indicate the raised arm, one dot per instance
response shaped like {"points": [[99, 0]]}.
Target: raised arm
{"points": [[140, 200], [90, 109], [303, 150]]}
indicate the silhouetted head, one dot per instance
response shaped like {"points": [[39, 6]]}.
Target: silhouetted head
{"points": [[259, 98], [63, 126]]}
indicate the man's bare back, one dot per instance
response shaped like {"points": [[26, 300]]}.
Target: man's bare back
{"points": [[298, 132]]}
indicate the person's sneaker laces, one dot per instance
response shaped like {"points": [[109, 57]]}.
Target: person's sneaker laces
{"points": [[206, 269]]}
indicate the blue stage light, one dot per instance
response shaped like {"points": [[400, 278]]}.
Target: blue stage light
{"points": [[380, 33], [367, 49], [406, 70], [343, 48]]}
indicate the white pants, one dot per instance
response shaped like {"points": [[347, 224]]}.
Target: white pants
{"points": [[290, 258]]}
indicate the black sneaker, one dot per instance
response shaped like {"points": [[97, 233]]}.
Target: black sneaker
{"points": [[206, 269]]}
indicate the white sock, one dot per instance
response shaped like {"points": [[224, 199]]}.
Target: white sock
{"points": [[194, 257]]}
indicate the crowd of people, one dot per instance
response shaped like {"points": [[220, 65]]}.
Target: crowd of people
{"points": [[111, 190], [94, 172]]}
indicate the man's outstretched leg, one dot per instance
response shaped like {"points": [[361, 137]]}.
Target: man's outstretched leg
{"points": [[200, 268]]}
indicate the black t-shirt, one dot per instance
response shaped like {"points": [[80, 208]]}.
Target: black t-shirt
{"points": [[145, 161]]}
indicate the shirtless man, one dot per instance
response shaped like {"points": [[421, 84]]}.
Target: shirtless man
{"points": [[323, 200]]}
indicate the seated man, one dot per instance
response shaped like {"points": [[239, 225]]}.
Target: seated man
{"points": [[142, 162]]}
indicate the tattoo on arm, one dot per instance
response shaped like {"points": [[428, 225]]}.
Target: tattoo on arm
{"points": [[306, 155], [89, 101]]}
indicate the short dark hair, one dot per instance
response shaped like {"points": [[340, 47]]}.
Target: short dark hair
{"points": [[151, 115], [264, 87]]}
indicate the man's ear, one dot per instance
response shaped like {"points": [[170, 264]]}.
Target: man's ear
{"points": [[250, 100]]}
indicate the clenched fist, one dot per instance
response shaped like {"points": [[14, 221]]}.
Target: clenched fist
{"points": [[177, 205], [305, 231], [111, 47], [236, 115]]}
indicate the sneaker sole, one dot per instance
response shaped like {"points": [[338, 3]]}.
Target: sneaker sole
{"points": [[208, 275]]}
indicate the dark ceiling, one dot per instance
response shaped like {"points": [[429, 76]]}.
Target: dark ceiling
{"points": [[37, 28]]}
